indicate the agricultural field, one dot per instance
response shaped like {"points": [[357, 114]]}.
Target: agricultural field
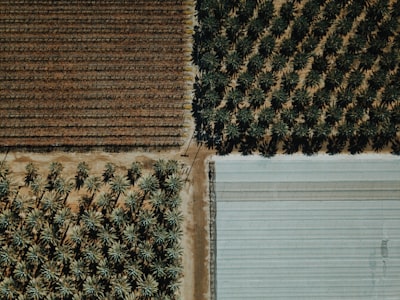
{"points": [[113, 235], [81, 75], [297, 76]]}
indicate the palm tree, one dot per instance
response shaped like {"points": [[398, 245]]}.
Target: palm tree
{"points": [[233, 62], [266, 81], [51, 203], [82, 173], [119, 184], [267, 45], [288, 47], [255, 28], [255, 64], [313, 79], [148, 184], [173, 218], [21, 273], [55, 170], [117, 253], [300, 60], [148, 286], [7, 288], [301, 99], [146, 253], [244, 81], [120, 287], [63, 187], [134, 172], [280, 130], [279, 98], [256, 97], [146, 219], [299, 28], [92, 288], [66, 288], [279, 26], [244, 46], [31, 173], [130, 235], [93, 185], [209, 62], [278, 62], [118, 217], [266, 116], [107, 235], [108, 172], [132, 201], [92, 220], [36, 289], [173, 184], [290, 81]]}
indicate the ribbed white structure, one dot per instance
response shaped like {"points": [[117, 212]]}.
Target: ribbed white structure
{"points": [[308, 227]]}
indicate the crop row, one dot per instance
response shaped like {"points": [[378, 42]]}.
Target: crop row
{"points": [[96, 19], [84, 141], [58, 113], [119, 57], [11, 67], [92, 100], [77, 76]]}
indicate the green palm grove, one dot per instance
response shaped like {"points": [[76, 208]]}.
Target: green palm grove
{"points": [[121, 240], [307, 75]]}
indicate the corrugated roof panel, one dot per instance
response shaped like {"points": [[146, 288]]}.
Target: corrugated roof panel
{"points": [[308, 234]]}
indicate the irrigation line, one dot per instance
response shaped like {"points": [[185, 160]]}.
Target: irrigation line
{"points": [[190, 141], [5, 157], [194, 159]]}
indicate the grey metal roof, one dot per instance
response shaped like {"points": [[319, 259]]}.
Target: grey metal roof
{"points": [[308, 227]]}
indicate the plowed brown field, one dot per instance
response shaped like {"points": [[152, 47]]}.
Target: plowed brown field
{"points": [[106, 74]]}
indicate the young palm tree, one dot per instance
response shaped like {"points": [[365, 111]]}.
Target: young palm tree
{"points": [[119, 185], [279, 26], [313, 79], [290, 81], [63, 187], [148, 184], [109, 171], [267, 45], [255, 64], [173, 185], [117, 254], [31, 173], [233, 62], [300, 28], [148, 286], [120, 287], [134, 172], [93, 185], [92, 288], [36, 289], [130, 235], [279, 98], [266, 81], [92, 221], [256, 97], [55, 170]]}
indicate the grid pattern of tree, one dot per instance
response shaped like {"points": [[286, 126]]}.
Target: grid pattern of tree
{"points": [[295, 76], [110, 236], [84, 73]]}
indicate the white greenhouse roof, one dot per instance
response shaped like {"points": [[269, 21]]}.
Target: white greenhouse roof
{"points": [[298, 227]]}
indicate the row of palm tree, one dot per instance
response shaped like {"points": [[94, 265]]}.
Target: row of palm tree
{"points": [[303, 76], [113, 236]]}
